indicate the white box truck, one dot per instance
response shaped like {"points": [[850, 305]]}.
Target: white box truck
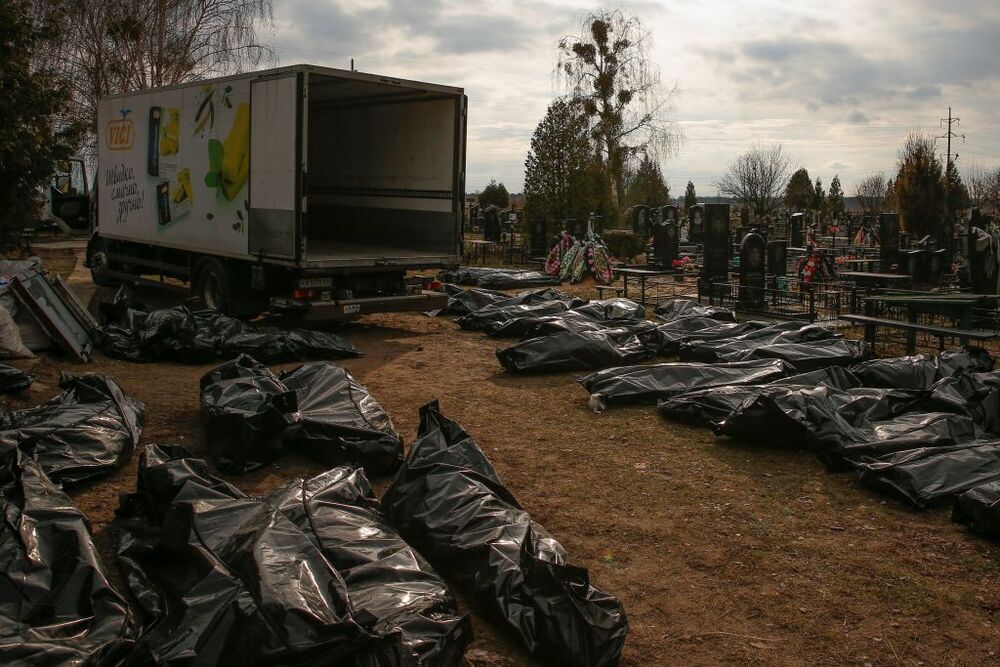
{"points": [[301, 188]]}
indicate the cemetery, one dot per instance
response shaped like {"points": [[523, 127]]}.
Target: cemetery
{"points": [[565, 359]]}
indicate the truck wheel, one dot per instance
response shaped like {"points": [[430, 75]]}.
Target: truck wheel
{"points": [[211, 285], [100, 265]]}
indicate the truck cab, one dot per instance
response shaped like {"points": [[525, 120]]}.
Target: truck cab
{"points": [[67, 200]]}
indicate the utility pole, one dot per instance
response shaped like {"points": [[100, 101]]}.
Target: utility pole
{"points": [[949, 221], [948, 135]]}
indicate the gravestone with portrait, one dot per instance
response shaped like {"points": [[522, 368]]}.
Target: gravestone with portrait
{"points": [[640, 219], [888, 234], [669, 213], [655, 215], [753, 253], [696, 220], [666, 237], [717, 245]]}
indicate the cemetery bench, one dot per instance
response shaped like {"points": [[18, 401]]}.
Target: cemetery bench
{"points": [[615, 291], [642, 275], [913, 328]]}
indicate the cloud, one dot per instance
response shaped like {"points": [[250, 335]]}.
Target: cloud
{"points": [[858, 117], [837, 83]]}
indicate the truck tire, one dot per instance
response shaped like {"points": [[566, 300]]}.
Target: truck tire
{"points": [[100, 265], [212, 285]]}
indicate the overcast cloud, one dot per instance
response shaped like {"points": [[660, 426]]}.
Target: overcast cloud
{"points": [[839, 83]]}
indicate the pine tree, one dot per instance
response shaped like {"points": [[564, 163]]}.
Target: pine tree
{"points": [[920, 186], [835, 199], [958, 194], [647, 185], [30, 141], [690, 197], [799, 191], [494, 194], [559, 179]]}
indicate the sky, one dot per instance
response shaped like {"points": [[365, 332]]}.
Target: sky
{"points": [[838, 83]]}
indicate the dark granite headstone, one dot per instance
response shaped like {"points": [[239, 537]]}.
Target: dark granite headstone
{"points": [[491, 225], [539, 239], [669, 213], [753, 252], [888, 235], [696, 216], [640, 219], [796, 226], [715, 264], [666, 237], [655, 215], [777, 258]]}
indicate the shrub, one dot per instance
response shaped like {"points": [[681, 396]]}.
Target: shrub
{"points": [[624, 245]]}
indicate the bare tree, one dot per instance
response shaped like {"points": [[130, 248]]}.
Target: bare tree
{"points": [[113, 46], [757, 178], [609, 70], [983, 184], [871, 193]]}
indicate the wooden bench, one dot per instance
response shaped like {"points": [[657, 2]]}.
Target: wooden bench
{"points": [[616, 291], [912, 329]]}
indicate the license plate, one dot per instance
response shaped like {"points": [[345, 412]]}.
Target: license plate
{"points": [[352, 308], [314, 282]]}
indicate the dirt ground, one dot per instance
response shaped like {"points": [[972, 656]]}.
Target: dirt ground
{"points": [[720, 553]]}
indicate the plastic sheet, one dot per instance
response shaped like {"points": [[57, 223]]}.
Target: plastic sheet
{"points": [[592, 316], [493, 318], [57, 606], [574, 351], [224, 578], [931, 476], [921, 371], [676, 309], [710, 406], [448, 502], [969, 359], [648, 384], [672, 334], [569, 321], [817, 417], [464, 301], [13, 379], [87, 431], [710, 347], [493, 278], [804, 357], [179, 334], [416, 617], [979, 509], [255, 416]]}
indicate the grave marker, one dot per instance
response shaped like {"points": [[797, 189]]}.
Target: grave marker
{"points": [[753, 252], [888, 235], [696, 216], [715, 262], [796, 224]]}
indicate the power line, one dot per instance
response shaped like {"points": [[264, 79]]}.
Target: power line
{"points": [[948, 135]]}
